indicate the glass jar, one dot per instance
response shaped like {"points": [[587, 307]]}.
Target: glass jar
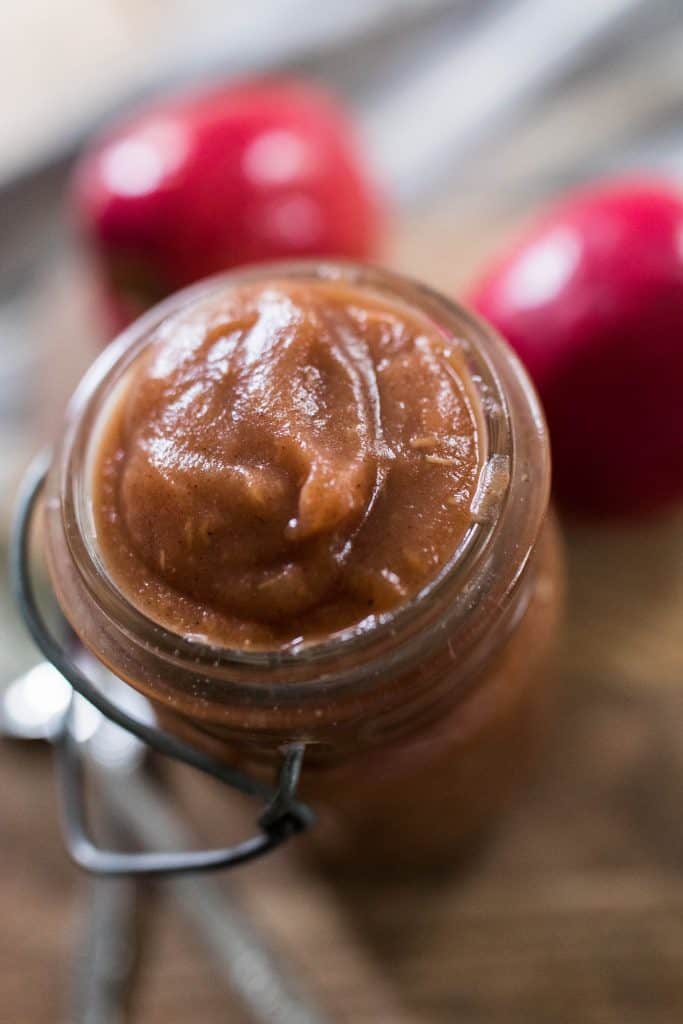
{"points": [[416, 731]]}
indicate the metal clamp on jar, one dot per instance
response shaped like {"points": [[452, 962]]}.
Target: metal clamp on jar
{"points": [[407, 735]]}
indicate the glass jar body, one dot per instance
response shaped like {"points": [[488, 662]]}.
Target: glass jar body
{"points": [[426, 799], [417, 731]]}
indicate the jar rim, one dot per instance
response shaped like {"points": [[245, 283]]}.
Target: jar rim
{"points": [[494, 369]]}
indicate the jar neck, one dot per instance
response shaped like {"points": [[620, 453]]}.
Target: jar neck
{"points": [[471, 595]]}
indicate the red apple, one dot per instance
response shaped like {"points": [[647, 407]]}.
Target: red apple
{"points": [[197, 183], [591, 298]]}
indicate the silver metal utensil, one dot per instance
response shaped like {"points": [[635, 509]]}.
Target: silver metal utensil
{"points": [[34, 707], [107, 953]]}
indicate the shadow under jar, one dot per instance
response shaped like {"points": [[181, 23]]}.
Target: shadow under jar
{"points": [[422, 714]]}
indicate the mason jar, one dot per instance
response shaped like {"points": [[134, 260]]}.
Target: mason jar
{"points": [[418, 730]]}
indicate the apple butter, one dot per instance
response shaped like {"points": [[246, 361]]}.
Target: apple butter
{"points": [[286, 461]]}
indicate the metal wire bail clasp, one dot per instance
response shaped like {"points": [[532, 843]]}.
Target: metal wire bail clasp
{"points": [[283, 817]]}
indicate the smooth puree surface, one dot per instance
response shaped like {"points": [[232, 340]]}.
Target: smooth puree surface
{"points": [[285, 461]]}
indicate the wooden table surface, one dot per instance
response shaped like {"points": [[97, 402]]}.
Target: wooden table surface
{"points": [[574, 912]]}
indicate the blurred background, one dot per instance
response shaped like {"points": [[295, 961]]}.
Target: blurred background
{"points": [[470, 115]]}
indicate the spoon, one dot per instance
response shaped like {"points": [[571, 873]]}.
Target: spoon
{"points": [[34, 707]]}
